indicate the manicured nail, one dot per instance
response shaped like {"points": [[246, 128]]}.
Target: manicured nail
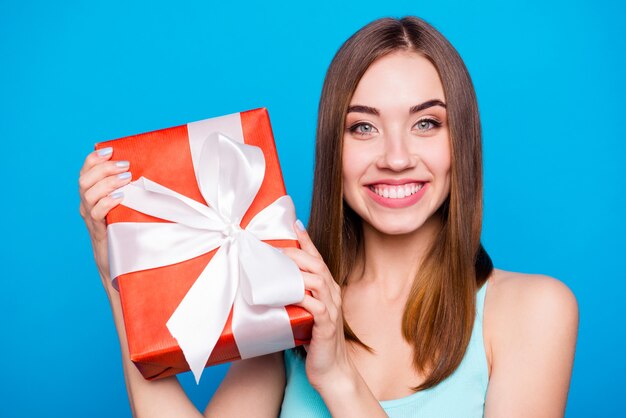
{"points": [[300, 225], [105, 151], [117, 195], [122, 164], [124, 176]]}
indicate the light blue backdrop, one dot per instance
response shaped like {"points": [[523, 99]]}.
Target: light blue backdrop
{"points": [[549, 78]]}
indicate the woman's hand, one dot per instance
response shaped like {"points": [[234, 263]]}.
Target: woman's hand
{"points": [[328, 366], [99, 178], [327, 361]]}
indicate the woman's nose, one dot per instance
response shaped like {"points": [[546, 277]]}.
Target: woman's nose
{"points": [[396, 154]]}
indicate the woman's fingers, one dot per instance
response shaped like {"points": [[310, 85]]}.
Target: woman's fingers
{"points": [[325, 325], [106, 186], [306, 261], [104, 205], [321, 291], [94, 217], [305, 241], [99, 178], [100, 171], [309, 259], [96, 157], [316, 266]]}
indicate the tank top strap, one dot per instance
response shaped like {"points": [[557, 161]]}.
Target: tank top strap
{"points": [[476, 354], [480, 301]]}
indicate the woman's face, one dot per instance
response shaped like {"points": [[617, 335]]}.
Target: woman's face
{"points": [[396, 150]]}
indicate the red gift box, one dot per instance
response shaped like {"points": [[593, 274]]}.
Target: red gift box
{"points": [[151, 296]]}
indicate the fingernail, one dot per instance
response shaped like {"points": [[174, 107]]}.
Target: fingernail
{"points": [[124, 176], [122, 164], [105, 151], [117, 195], [300, 225]]}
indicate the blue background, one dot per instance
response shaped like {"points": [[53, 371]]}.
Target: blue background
{"points": [[549, 79]]}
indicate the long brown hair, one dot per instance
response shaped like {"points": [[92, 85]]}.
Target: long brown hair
{"points": [[439, 314]]}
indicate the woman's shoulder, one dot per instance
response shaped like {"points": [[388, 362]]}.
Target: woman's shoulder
{"points": [[527, 308], [519, 293]]}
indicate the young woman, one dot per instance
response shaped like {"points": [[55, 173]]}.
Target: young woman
{"points": [[411, 319]]}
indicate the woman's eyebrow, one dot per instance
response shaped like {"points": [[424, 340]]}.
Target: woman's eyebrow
{"points": [[414, 109], [363, 109], [426, 105]]}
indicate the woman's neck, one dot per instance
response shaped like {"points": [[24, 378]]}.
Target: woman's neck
{"points": [[391, 262]]}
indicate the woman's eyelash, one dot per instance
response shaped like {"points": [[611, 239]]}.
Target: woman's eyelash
{"points": [[434, 122], [354, 128]]}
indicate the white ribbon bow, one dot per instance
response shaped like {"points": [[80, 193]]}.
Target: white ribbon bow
{"points": [[252, 277]]}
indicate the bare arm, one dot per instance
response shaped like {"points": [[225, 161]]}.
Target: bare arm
{"points": [[251, 388], [533, 323], [158, 398]]}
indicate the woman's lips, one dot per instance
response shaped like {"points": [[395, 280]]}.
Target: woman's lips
{"points": [[397, 194]]}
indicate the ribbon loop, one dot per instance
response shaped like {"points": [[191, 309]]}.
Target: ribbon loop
{"points": [[239, 170]]}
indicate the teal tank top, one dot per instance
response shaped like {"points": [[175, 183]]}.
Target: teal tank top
{"points": [[461, 395]]}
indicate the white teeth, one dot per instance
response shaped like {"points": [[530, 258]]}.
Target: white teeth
{"points": [[396, 192]]}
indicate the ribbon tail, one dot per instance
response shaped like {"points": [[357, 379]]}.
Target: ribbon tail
{"points": [[260, 330], [268, 277], [199, 320], [269, 280]]}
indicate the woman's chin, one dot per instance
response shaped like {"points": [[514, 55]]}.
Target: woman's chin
{"points": [[397, 228]]}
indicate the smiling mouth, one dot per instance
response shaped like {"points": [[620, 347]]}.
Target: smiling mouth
{"points": [[396, 191]]}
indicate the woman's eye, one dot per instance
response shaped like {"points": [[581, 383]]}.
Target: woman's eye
{"points": [[427, 124], [362, 129]]}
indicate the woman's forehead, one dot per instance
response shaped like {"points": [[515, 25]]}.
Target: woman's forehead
{"points": [[398, 81]]}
